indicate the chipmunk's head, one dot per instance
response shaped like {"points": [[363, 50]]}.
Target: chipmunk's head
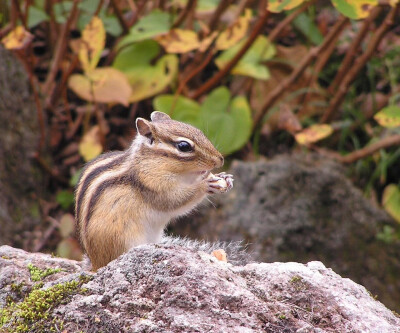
{"points": [[181, 148]]}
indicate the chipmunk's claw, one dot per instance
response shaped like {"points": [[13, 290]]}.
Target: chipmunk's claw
{"points": [[220, 183]]}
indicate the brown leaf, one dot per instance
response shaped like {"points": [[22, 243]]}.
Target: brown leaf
{"points": [[287, 120], [67, 225], [102, 85], [90, 146], [220, 254]]}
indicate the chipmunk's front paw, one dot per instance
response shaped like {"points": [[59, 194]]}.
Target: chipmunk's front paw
{"points": [[219, 183]]}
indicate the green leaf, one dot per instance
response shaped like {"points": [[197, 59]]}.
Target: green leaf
{"points": [[154, 24], [307, 26], [391, 201], [136, 55], [388, 116], [36, 16], [179, 108], [62, 10], [83, 20], [112, 25], [88, 6], [355, 9], [65, 199], [206, 5], [75, 178], [227, 123], [251, 63], [145, 79]]}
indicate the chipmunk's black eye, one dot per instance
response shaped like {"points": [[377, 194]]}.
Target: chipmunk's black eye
{"points": [[184, 146]]}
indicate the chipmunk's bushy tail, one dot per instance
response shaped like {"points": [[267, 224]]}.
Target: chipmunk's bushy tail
{"points": [[237, 252]]}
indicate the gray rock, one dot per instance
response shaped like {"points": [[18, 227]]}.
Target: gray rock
{"points": [[303, 208], [20, 180], [168, 288]]}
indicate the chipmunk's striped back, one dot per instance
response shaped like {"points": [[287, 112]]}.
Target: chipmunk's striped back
{"points": [[103, 168]]}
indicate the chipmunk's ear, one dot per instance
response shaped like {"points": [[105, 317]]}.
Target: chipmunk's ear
{"points": [[159, 116], [144, 128]]}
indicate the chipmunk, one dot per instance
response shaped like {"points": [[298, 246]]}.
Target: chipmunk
{"points": [[124, 199]]}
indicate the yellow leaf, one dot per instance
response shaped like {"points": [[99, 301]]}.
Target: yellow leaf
{"points": [[277, 6], [388, 116], [234, 33], [391, 201], [92, 44], [179, 41], [90, 146], [102, 85], [363, 8], [205, 43], [313, 133], [17, 39]]}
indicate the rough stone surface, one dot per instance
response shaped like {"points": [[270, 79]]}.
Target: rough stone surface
{"points": [[20, 181], [303, 208], [159, 288]]}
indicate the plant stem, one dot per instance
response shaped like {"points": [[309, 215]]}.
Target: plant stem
{"points": [[359, 63], [60, 49], [352, 51], [212, 82], [120, 16], [273, 96], [191, 4], [393, 140]]}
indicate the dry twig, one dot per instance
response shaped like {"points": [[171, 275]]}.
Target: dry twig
{"points": [[212, 82], [273, 96], [60, 50], [393, 140], [120, 16], [222, 6], [359, 64], [191, 4], [352, 51]]}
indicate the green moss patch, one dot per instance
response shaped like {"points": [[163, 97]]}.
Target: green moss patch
{"points": [[38, 274], [33, 314]]}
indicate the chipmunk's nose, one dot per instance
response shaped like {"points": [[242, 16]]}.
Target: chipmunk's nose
{"points": [[219, 161]]}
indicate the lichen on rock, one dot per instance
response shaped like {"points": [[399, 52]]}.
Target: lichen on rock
{"points": [[169, 288]]}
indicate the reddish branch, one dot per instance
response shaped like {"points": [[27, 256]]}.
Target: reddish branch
{"points": [[16, 13], [212, 82], [194, 72], [120, 16], [387, 142], [359, 64], [191, 4], [273, 96], [61, 47], [222, 6], [353, 49], [287, 20], [319, 66]]}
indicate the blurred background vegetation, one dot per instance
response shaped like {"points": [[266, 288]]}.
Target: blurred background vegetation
{"points": [[260, 78]]}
